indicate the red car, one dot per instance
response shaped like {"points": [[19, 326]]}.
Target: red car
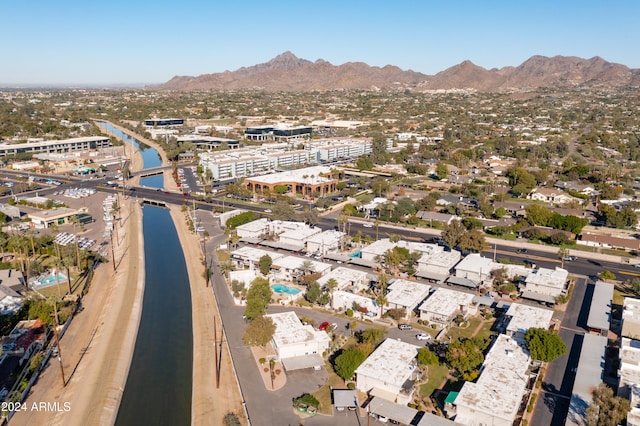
{"points": [[323, 326]]}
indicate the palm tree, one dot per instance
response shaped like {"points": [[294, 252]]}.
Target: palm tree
{"points": [[331, 285]]}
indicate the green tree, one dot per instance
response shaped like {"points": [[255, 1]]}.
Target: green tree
{"points": [[364, 163], [544, 345], [538, 214], [453, 233], [442, 171], [607, 275], [259, 331], [605, 408], [473, 241], [379, 148], [427, 357], [371, 336], [347, 362], [265, 263], [282, 210], [258, 297], [380, 186], [465, 355], [313, 292]]}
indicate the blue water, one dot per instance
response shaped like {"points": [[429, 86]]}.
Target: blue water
{"points": [[159, 384], [280, 288], [52, 279], [150, 156], [355, 254]]}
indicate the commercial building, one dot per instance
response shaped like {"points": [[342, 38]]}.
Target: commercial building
{"points": [[444, 305], [55, 146], [494, 399], [164, 122], [209, 143], [407, 295], [59, 216], [298, 346], [310, 181], [389, 372]]}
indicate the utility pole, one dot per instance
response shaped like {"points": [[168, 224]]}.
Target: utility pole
{"points": [[55, 332], [113, 253], [215, 348]]}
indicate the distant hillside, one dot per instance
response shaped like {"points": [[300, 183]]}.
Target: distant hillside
{"points": [[287, 72]]}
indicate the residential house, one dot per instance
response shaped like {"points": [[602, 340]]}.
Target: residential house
{"points": [[326, 241], [523, 317], [546, 282], [475, 268], [499, 392], [589, 374], [631, 318], [290, 268], [444, 305], [363, 306], [599, 318], [407, 295], [297, 238], [437, 266], [298, 346], [435, 217], [26, 338], [553, 196], [352, 280], [389, 372]]}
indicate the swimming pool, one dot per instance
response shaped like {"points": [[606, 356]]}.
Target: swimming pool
{"points": [[355, 254], [281, 288], [50, 280]]}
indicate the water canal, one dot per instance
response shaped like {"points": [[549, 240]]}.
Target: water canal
{"points": [[158, 388]]}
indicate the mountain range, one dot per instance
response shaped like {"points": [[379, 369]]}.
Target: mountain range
{"points": [[287, 72]]}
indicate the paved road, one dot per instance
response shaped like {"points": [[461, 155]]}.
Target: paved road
{"points": [[553, 401]]}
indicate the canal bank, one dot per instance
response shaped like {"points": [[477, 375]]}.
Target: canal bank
{"points": [[209, 402]]}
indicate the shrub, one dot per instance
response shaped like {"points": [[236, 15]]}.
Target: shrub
{"points": [[351, 385]]}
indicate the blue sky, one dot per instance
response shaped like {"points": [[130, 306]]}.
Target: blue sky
{"points": [[90, 42]]}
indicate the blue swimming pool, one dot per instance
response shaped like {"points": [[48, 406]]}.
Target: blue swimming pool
{"points": [[52, 279], [355, 254], [281, 288]]}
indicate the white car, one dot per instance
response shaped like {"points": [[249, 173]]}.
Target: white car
{"points": [[423, 336], [367, 225]]}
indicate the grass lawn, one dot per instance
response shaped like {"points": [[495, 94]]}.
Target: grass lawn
{"points": [[437, 375], [324, 393], [467, 332]]}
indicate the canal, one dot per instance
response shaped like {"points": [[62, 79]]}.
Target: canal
{"points": [[158, 388]]}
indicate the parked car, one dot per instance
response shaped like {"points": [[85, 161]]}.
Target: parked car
{"points": [[405, 326], [324, 326], [423, 336]]}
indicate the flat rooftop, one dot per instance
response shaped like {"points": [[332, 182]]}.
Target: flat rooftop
{"points": [[589, 375], [345, 277], [475, 263], [501, 385], [296, 176], [555, 278], [294, 262], [601, 303], [254, 254], [290, 330], [407, 293], [446, 302], [393, 359], [254, 226], [442, 259], [524, 317]]}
